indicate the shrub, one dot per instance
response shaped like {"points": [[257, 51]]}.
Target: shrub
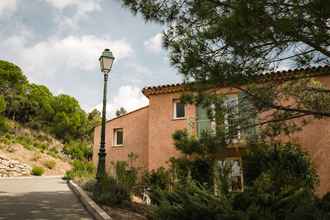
{"points": [[41, 146], [50, 164], [78, 150], [37, 171], [3, 125], [124, 175], [192, 202], [157, 179], [28, 147], [110, 192], [80, 169]]}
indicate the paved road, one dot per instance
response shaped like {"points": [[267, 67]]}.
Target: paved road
{"points": [[39, 198]]}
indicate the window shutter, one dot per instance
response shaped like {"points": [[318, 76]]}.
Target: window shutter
{"points": [[248, 116], [203, 122]]}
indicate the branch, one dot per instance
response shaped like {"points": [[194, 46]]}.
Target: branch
{"points": [[283, 108], [275, 120]]}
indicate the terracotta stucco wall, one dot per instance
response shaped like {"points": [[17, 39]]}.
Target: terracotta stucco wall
{"points": [[148, 133], [162, 126], [315, 139], [135, 127]]}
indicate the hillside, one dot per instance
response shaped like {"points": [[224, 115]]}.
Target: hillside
{"points": [[34, 148], [39, 128]]}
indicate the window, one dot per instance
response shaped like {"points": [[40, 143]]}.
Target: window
{"points": [[118, 137], [231, 169], [232, 127], [179, 110]]}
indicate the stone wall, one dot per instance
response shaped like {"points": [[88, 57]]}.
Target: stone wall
{"points": [[10, 167]]}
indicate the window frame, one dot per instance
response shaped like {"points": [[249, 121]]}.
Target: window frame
{"points": [[174, 115], [115, 140], [241, 172], [237, 139]]}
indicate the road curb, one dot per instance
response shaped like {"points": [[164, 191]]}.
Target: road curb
{"points": [[91, 206]]}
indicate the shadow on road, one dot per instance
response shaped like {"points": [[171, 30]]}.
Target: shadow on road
{"points": [[41, 205]]}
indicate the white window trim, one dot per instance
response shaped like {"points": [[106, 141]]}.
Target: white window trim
{"points": [[174, 110], [115, 130]]}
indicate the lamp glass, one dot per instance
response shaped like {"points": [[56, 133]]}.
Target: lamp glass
{"points": [[106, 64], [106, 61]]}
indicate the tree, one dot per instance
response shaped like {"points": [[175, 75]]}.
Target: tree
{"points": [[70, 121], [94, 119], [12, 79], [2, 109], [220, 39], [230, 42], [121, 111]]}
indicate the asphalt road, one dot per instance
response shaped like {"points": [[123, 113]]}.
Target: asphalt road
{"points": [[25, 198]]}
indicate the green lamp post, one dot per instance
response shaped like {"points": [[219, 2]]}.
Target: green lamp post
{"points": [[106, 61]]}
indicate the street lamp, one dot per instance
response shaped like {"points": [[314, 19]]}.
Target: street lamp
{"points": [[106, 61]]}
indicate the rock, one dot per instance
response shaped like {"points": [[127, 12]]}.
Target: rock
{"points": [[10, 167]]}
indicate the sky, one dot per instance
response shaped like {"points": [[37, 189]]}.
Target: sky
{"points": [[57, 43]]}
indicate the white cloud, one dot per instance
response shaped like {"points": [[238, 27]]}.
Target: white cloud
{"points": [[83, 5], [154, 44], [67, 55], [7, 6], [82, 9], [129, 97]]}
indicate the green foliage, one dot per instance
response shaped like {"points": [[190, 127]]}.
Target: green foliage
{"points": [[286, 165], [12, 79], [3, 126], [80, 169], [50, 164], [192, 202], [157, 179], [126, 176], [111, 192], [2, 104], [36, 107], [78, 150], [225, 41], [37, 171]]}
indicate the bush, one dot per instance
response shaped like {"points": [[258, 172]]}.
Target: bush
{"points": [[110, 192], [126, 176], [288, 167], [50, 164], [80, 169], [157, 179], [192, 202], [78, 151], [37, 171]]}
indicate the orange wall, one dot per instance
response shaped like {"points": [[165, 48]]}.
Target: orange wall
{"points": [[148, 133], [162, 126], [315, 139], [135, 126]]}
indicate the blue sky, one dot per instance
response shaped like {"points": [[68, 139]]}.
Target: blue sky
{"points": [[57, 43]]}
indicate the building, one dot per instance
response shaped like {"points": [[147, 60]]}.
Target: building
{"points": [[147, 132]]}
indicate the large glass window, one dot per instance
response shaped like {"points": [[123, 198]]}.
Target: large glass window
{"points": [[232, 127], [178, 110], [118, 137]]}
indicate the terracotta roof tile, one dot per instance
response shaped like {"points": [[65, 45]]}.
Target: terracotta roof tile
{"points": [[275, 75]]}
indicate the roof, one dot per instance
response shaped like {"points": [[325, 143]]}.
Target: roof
{"points": [[275, 75]]}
